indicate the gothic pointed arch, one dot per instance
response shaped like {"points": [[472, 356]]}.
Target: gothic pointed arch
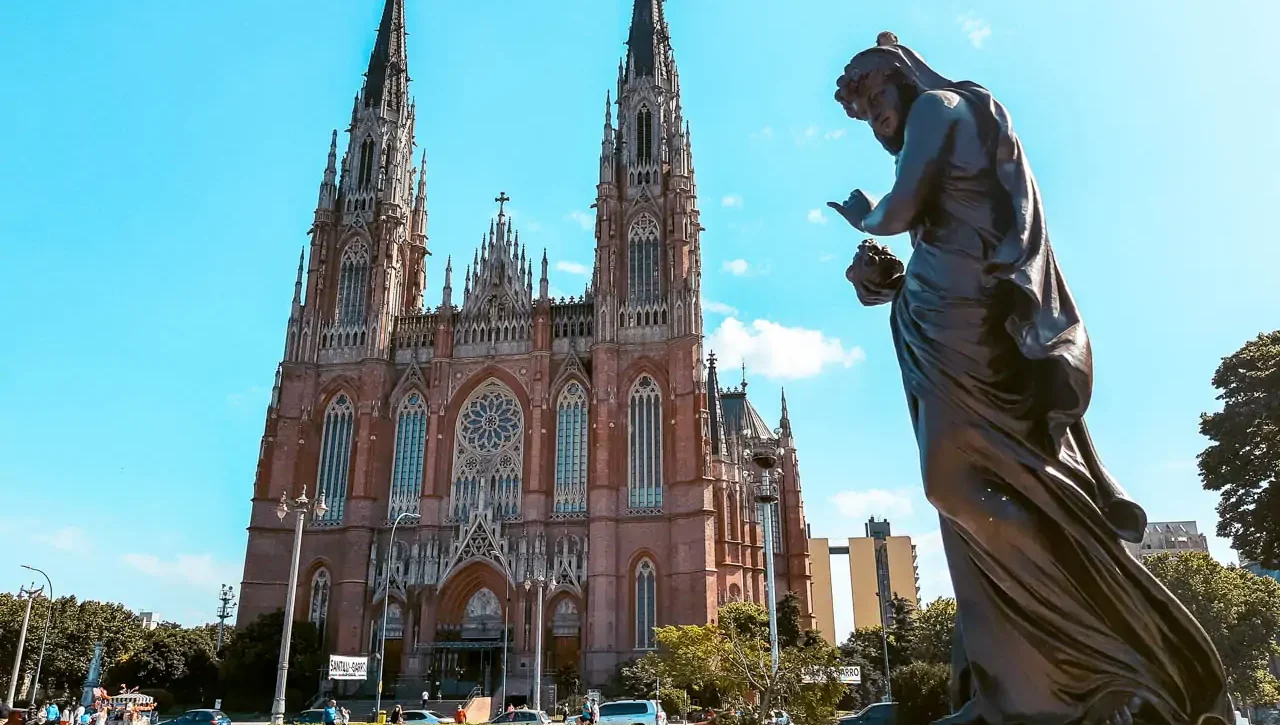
{"points": [[644, 600], [410, 452], [334, 469], [643, 260], [571, 456], [353, 282], [318, 609], [488, 455], [644, 446]]}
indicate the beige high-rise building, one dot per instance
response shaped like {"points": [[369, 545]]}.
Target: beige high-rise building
{"points": [[881, 567]]}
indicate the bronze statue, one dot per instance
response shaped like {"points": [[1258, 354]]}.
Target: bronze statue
{"points": [[1057, 622]]}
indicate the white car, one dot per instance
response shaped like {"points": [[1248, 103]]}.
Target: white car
{"points": [[632, 712]]}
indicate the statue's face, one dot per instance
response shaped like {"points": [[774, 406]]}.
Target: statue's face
{"points": [[883, 105]]}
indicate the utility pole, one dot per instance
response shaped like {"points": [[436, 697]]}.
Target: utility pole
{"points": [[31, 593], [227, 598]]}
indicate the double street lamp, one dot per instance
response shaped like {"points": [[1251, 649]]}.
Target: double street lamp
{"points": [[302, 506], [386, 602], [766, 457], [44, 639], [540, 582]]}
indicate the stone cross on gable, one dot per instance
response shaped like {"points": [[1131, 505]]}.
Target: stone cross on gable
{"points": [[502, 199]]}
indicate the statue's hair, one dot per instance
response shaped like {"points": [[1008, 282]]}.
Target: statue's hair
{"points": [[888, 62]]}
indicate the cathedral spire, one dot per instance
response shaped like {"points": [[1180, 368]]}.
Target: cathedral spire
{"points": [[647, 41], [387, 80], [420, 200], [785, 423], [329, 186], [447, 299], [297, 282], [544, 285], [713, 407]]}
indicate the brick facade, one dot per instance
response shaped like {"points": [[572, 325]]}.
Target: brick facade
{"points": [[363, 335]]}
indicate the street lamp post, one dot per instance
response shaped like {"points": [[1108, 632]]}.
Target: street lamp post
{"points": [[386, 603], [300, 506], [44, 639], [22, 641], [766, 493], [506, 606], [539, 582]]}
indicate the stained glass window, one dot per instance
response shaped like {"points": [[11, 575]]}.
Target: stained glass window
{"points": [[318, 612], [488, 458], [571, 450], [642, 260], [646, 605], [644, 484], [335, 457], [353, 283], [406, 469]]}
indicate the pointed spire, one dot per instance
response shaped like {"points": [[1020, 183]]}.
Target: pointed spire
{"points": [[744, 375], [329, 186], [446, 300], [544, 285], [646, 43], [387, 78], [785, 423], [297, 283], [716, 424], [420, 200]]}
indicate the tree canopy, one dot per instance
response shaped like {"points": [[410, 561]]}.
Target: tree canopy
{"points": [[1238, 610], [1243, 461]]}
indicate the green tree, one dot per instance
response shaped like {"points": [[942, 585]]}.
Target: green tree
{"points": [[903, 631], [181, 661], [1243, 460], [1238, 610], [249, 663], [864, 648], [921, 690], [935, 630]]}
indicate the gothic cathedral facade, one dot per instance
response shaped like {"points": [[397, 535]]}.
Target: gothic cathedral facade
{"points": [[571, 466]]}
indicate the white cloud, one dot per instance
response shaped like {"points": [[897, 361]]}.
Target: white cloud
{"points": [[858, 505], [811, 131], [565, 265], [584, 220], [718, 308], [779, 352], [252, 398], [826, 257], [198, 570], [976, 28], [834, 134], [66, 538], [737, 267], [731, 200], [817, 217], [764, 134]]}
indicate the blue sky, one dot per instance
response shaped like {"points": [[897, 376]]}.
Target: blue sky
{"points": [[161, 162]]}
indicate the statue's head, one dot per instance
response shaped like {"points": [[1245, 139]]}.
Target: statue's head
{"points": [[880, 84]]}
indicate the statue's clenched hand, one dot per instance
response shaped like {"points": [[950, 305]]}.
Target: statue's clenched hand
{"points": [[875, 273], [854, 209]]}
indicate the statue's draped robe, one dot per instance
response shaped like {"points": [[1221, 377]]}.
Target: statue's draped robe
{"points": [[1057, 622]]}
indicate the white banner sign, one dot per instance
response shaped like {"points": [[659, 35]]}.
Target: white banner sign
{"points": [[844, 675], [348, 668]]}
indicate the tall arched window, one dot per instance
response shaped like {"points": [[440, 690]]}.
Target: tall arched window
{"points": [[318, 613], [644, 135], [571, 450], [366, 163], [646, 605], [643, 260], [488, 453], [644, 428], [406, 468], [335, 457], [353, 283]]}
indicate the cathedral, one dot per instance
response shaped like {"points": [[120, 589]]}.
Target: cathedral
{"points": [[566, 474]]}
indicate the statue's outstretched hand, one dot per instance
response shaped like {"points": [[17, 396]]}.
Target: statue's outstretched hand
{"points": [[875, 273], [854, 209]]}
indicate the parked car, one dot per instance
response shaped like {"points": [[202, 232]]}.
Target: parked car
{"points": [[522, 716], [632, 712], [201, 717], [425, 716], [307, 717], [881, 713]]}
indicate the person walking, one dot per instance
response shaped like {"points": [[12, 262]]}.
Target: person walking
{"points": [[51, 714], [397, 716], [460, 716], [426, 697], [330, 716]]}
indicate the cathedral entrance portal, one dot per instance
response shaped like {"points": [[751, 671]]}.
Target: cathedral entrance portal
{"points": [[468, 654]]}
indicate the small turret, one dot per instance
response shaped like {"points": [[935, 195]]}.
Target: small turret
{"points": [[785, 423], [544, 285], [420, 201], [446, 300], [329, 186]]}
